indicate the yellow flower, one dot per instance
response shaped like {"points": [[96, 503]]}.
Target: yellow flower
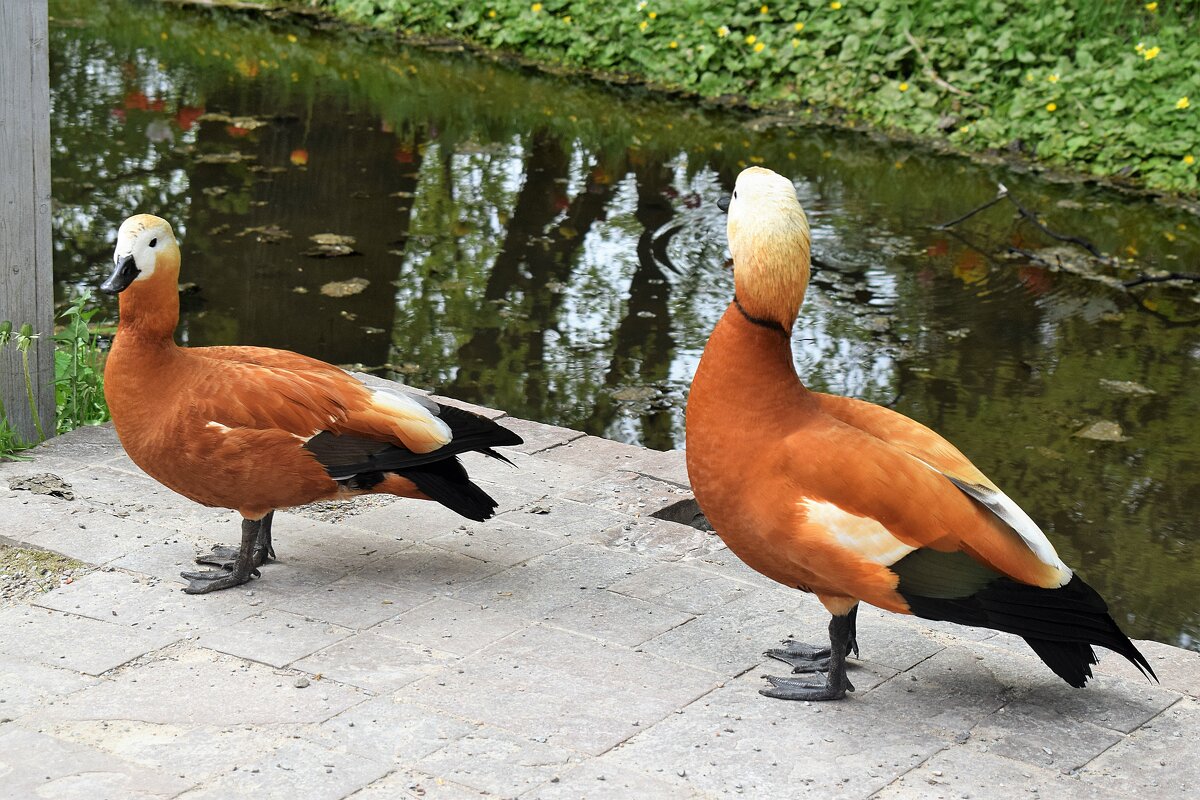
{"points": [[722, 31], [491, 13], [835, 5], [673, 45], [1052, 78], [1029, 77], [567, 19], [291, 37], [964, 129], [795, 42], [1182, 103], [763, 10], [1189, 159], [1141, 47], [758, 48], [1051, 107], [1152, 7], [536, 7], [799, 26], [652, 14], [1152, 52], [903, 87], [751, 39], [643, 25]]}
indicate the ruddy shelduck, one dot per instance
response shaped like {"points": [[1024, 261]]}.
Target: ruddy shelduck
{"points": [[256, 429], [852, 501]]}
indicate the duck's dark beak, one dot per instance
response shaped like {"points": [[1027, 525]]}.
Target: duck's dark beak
{"points": [[723, 203], [123, 274]]}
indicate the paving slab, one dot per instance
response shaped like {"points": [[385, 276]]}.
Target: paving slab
{"points": [[574, 646]]}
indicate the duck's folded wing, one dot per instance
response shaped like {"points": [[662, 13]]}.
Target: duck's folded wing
{"points": [[305, 397]]}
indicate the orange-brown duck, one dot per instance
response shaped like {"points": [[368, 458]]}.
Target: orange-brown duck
{"points": [[255, 429], [852, 501]]}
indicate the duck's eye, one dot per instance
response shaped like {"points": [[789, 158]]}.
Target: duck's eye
{"points": [[735, 194], [154, 242]]}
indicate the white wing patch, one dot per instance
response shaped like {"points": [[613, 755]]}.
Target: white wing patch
{"points": [[407, 406], [218, 427], [1015, 517], [862, 535]]}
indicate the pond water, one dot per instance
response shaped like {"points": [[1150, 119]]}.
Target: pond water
{"points": [[552, 248]]}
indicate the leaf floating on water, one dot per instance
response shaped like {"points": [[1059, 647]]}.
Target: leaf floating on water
{"points": [[1126, 387], [300, 289], [325, 239], [331, 245], [268, 234], [635, 394], [1103, 431], [345, 288]]}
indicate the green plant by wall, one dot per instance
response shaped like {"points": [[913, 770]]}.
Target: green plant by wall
{"points": [[78, 378], [1097, 86]]}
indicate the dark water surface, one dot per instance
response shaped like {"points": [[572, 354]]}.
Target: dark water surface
{"points": [[552, 248]]}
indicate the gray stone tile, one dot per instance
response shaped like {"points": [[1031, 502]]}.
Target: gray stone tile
{"points": [[567, 690], [390, 730], [595, 453], [409, 521], [615, 617], [543, 584], [733, 639], [662, 539], [73, 642], [166, 557], [686, 588], [966, 772], [450, 626], [494, 761], [298, 769], [1176, 669], [483, 411], [37, 765], [97, 538], [145, 603], [891, 640], [429, 570], [733, 740], [1042, 737], [409, 783], [273, 637], [202, 687], [628, 493], [86, 445], [534, 475], [539, 436], [598, 780], [334, 546], [25, 686], [498, 541], [566, 519], [352, 602], [1155, 761], [193, 753], [1109, 702], [375, 662]]}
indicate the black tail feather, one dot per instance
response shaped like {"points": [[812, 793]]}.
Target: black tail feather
{"points": [[1059, 624], [447, 482]]}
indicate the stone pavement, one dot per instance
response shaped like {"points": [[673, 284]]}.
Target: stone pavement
{"points": [[584, 643]]}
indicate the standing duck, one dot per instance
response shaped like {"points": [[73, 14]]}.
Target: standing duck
{"points": [[852, 501], [255, 429]]}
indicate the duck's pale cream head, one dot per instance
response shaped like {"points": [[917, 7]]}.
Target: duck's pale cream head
{"points": [[769, 239], [145, 246]]}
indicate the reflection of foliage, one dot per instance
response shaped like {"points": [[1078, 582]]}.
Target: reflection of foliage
{"points": [[553, 250]]}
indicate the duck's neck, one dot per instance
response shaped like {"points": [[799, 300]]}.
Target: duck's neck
{"points": [[150, 311], [749, 358]]}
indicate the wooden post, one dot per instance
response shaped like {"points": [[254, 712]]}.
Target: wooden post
{"points": [[26, 271]]}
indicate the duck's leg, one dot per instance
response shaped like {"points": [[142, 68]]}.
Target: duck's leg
{"points": [[242, 570], [809, 658], [836, 684], [225, 556]]}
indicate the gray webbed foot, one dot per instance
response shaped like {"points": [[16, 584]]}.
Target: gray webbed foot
{"points": [[222, 556], [796, 689], [800, 656], [215, 579]]}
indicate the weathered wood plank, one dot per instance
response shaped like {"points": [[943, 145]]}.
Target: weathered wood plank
{"points": [[26, 280]]}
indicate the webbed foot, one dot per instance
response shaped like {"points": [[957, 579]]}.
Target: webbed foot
{"points": [[795, 689], [800, 656], [222, 556], [215, 580]]}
